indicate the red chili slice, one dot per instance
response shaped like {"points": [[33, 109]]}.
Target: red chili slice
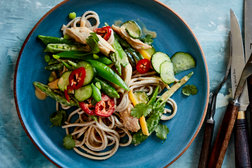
{"points": [[88, 108], [76, 78], [105, 107], [66, 93], [105, 32], [143, 66]]}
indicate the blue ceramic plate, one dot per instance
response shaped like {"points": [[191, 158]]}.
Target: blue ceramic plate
{"points": [[172, 35]]}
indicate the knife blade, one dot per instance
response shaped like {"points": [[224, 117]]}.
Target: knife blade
{"points": [[237, 52], [225, 130], [242, 153]]}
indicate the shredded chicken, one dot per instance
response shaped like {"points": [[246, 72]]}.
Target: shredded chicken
{"points": [[80, 34], [129, 122], [135, 43], [127, 73]]}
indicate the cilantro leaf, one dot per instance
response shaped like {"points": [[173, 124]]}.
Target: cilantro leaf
{"points": [[58, 118], [92, 41], [68, 142], [161, 131], [147, 39], [189, 90], [140, 110]]}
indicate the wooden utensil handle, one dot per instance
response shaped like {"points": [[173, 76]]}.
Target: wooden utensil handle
{"points": [[242, 156], [223, 136], [205, 150]]}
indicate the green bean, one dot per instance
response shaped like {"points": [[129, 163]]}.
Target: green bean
{"points": [[44, 88]]}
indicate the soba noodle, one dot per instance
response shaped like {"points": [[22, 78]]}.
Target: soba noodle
{"points": [[100, 139]]}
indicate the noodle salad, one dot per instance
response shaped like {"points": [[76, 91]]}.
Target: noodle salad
{"points": [[107, 83]]}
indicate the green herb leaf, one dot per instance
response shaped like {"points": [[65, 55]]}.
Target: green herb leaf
{"points": [[161, 131], [68, 142], [147, 39], [189, 89], [92, 41], [58, 118], [140, 110]]}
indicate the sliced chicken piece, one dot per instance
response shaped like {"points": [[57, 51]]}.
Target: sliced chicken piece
{"points": [[135, 43], [80, 34], [127, 74], [129, 122]]}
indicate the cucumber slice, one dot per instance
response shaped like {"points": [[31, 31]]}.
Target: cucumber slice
{"points": [[89, 71], [132, 28], [141, 97], [182, 61], [157, 59], [64, 80], [83, 93], [167, 73]]}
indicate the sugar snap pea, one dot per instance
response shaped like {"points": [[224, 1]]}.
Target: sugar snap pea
{"points": [[55, 48], [49, 39], [78, 55], [108, 74], [96, 93], [107, 89]]}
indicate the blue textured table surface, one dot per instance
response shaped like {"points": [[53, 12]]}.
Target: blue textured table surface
{"points": [[209, 21]]}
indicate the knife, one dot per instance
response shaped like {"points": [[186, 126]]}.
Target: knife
{"points": [[227, 125], [248, 51], [210, 122], [242, 154]]}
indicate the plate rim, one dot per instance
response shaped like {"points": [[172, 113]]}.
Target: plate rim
{"points": [[58, 5]]}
